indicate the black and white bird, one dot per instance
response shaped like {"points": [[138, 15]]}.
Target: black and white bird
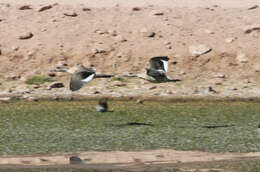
{"points": [[158, 68], [81, 75], [157, 71], [102, 105]]}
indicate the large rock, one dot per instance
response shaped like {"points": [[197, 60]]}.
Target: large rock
{"points": [[242, 58], [197, 50]]}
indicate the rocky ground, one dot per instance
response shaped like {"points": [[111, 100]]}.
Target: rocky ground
{"points": [[213, 48]]}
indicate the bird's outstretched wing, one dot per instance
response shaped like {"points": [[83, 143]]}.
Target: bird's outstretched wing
{"points": [[78, 79]]}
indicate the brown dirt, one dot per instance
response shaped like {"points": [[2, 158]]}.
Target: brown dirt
{"points": [[58, 38], [120, 158]]}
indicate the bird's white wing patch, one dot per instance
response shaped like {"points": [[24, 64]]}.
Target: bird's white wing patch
{"points": [[165, 65], [89, 78]]}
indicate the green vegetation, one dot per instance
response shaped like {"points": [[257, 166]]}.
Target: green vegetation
{"points": [[37, 80], [70, 126]]}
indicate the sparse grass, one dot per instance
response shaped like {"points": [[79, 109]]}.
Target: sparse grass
{"points": [[47, 127], [37, 80]]}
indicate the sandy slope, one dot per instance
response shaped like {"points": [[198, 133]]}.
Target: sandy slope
{"points": [[112, 39], [168, 3]]}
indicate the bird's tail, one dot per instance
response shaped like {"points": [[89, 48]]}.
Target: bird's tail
{"points": [[173, 80], [103, 76]]}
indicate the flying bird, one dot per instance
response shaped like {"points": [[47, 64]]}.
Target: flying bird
{"points": [[157, 71], [81, 75]]}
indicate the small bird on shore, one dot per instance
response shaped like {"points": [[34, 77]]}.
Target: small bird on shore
{"points": [[81, 75], [102, 105]]}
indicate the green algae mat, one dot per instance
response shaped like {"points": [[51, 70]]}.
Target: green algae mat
{"points": [[70, 126]]}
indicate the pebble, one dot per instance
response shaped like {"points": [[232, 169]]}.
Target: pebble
{"points": [[251, 28], [204, 90], [121, 38], [44, 8], [220, 76], [198, 50], [51, 74], [56, 85], [86, 9], [231, 39], [157, 13], [25, 7], [209, 31], [253, 7], [136, 9], [241, 58], [152, 88], [147, 33], [71, 14], [26, 35]]}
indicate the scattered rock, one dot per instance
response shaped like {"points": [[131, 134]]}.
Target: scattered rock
{"points": [[241, 58], [157, 13], [112, 32], [96, 92], [152, 88], [231, 39], [220, 76], [198, 50], [0, 52], [98, 50], [43, 8], [15, 48], [167, 43], [251, 28], [5, 99], [26, 35], [71, 14], [25, 7], [86, 9], [168, 46], [209, 31], [100, 32], [121, 38], [136, 9], [61, 64], [147, 33], [253, 7], [51, 74], [204, 90], [56, 85], [14, 77]]}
